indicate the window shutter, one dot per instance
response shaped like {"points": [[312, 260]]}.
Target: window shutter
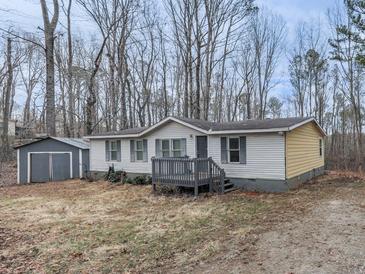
{"points": [[243, 150], [224, 150], [158, 148], [145, 151], [183, 147], [119, 158], [107, 153], [133, 155]]}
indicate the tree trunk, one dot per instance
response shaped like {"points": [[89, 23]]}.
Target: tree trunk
{"points": [[6, 114]]}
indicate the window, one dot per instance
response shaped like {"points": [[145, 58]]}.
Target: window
{"points": [[170, 148], [176, 148], [165, 148], [234, 150], [320, 147], [139, 150], [113, 150]]}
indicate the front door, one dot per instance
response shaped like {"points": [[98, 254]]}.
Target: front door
{"points": [[201, 147]]}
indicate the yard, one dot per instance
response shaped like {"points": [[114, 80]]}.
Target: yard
{"points": [[85, 227]]}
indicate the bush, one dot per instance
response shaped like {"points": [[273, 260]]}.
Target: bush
{"points": [[128, 180], [115, 176], [138, 180]]}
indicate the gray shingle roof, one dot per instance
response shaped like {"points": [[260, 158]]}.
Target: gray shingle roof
{"points": [[244, 125], [128, 131], [224, 126], [76, 142]]}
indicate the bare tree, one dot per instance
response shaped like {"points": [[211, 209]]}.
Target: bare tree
{"points": [[268, 33], [49, 35]]}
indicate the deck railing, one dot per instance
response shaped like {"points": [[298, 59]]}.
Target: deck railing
{"points": [[188, 172]]}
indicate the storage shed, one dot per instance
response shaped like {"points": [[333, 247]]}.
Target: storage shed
{"points": [[52, 159]]}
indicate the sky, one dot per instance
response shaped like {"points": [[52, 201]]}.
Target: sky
{"points": [[25, 15]]}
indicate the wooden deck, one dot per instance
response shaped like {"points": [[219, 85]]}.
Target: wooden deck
{"points": [[188, 172]]}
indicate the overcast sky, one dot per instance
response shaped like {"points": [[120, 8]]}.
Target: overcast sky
{"points": [[26, 15]]}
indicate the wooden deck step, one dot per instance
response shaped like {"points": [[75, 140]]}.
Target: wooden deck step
{"points": [[230, 189], [229, 186]]}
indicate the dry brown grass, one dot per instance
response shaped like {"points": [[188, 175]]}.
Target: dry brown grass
{"points": [[97, 227]]}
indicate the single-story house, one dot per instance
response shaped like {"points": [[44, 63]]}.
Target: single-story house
{"points": [[263, 155], [52, 159]]}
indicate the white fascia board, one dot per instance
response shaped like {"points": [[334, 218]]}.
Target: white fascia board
{"points": [[307, 121], [111, 136], [269, 130], [149, 130], [207, 132]]}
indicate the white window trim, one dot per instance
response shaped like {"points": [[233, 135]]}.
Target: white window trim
{"points": [[171, 148], [229, 150], [162, 149], [321, 152], [136, 150], [80, 163], [174, 150], [18, 166], [110, 151]]}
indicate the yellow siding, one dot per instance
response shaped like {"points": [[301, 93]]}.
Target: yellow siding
{"points": [[302, 150]]}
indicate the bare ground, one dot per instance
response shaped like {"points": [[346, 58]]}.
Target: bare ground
{"points": [[7, 173], [97, 227]]}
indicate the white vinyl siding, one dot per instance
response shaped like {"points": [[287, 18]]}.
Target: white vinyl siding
{"points": [[169, 131], [265, 156]]}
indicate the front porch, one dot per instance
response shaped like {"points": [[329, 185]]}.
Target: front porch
{"points": [[189, 172]]}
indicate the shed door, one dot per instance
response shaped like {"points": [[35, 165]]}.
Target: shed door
{"points": [[40, 167], [50, 167], [60, 166]]}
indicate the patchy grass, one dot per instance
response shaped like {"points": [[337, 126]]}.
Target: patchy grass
{"points": [[97, 227]]}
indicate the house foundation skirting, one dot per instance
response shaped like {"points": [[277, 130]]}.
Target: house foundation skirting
{"points": [[268, 185], [259, 185]]}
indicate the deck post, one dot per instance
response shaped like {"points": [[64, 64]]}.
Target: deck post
{"points": [[222, 182], [153, 160], [196, 178], [210, 174]]}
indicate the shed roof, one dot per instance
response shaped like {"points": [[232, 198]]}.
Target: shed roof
{"points": [[76, 142]]}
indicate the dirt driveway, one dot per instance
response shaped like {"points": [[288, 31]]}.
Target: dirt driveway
{"points": [[79, 227], [327, 237]]}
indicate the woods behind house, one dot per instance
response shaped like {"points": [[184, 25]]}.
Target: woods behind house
{"points": [[218, 60]]}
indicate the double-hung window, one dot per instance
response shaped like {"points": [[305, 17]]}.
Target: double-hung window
{"points": [[176, 148], [112, 150], [170, 147], [165, 148], [234, 150], [139, 150]]}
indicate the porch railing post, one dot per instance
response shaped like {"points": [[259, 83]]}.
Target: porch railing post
{"points": [[210, 174], [153, 160], [196, 173], [222, 181]]}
